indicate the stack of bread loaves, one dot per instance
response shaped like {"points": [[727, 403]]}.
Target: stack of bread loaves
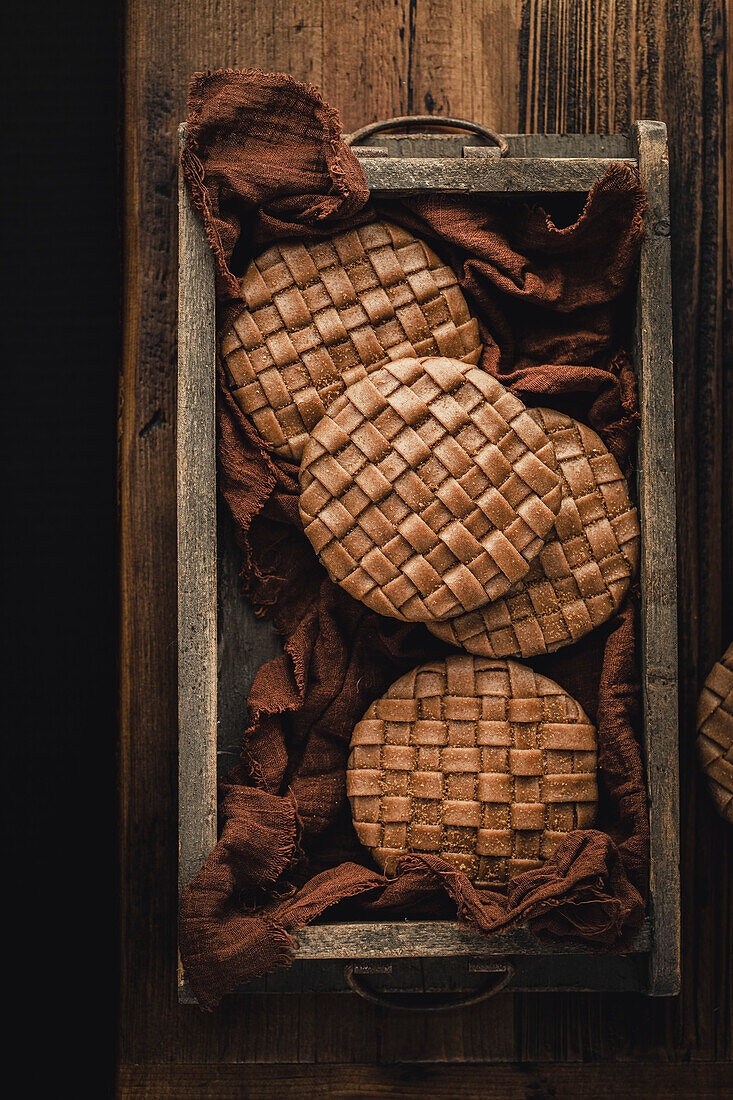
{"points": [[432, 494]]}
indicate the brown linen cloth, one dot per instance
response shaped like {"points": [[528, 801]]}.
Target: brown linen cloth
{"points": [[264, 160]]}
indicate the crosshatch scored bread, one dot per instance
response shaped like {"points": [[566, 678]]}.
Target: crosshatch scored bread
{"points": [[715, 740], [483, 762], [581, 575], [426, 486], [322, 314]]}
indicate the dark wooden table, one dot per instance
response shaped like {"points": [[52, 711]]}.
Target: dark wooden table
{"points": [[516, 65]]}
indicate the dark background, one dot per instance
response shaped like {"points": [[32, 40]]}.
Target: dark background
{"points": [[93, 94], [61, 277]]}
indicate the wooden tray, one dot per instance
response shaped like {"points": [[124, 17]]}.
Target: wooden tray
{"points": [[221, 645]]}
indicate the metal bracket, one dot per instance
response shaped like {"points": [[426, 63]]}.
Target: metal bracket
{"points": [[486, 966], [369, 150], [367, 968], [481, 151]]}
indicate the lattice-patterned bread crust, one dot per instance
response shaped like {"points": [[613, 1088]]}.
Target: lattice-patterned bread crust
{"points": [[715, 740], [581, 575], [323, 314], [485, 763], [426, 486]]}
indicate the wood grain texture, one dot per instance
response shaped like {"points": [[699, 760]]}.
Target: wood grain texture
{"points": [[196, 526], [360, 1082], [482, 175], [437, 144], [591, 65], [658, 567], [365, 940], [451, 44], [244, 644]]}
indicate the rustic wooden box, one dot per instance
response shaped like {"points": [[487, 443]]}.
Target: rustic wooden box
{"points": [[221, 644]]}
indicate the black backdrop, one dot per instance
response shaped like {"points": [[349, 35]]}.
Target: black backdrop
{"points": [[61, 333]]}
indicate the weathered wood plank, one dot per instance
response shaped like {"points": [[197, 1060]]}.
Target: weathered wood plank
{"points": [[579, 59], [658, 569], [394, 939], [458, 974], [484, 176], [244, 644], [462, 974], [196, 541], [147, 533], [422, 57], [441, 144], [691, 88], [636, 1081], [367, 84], [453, 42]]}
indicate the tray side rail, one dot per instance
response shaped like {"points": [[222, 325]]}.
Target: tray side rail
{"points": [[658, 571], [197, 543]]}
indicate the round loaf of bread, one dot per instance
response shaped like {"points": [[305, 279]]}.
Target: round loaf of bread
{"points": [[426, 486], [582, 573], [484, 763], [322, 314]]}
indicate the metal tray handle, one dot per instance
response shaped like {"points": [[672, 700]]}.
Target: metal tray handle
{"points": [[500, 978], [410, 121]]}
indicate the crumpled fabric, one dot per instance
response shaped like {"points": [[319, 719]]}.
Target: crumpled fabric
{"points": [[264, 160]]}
